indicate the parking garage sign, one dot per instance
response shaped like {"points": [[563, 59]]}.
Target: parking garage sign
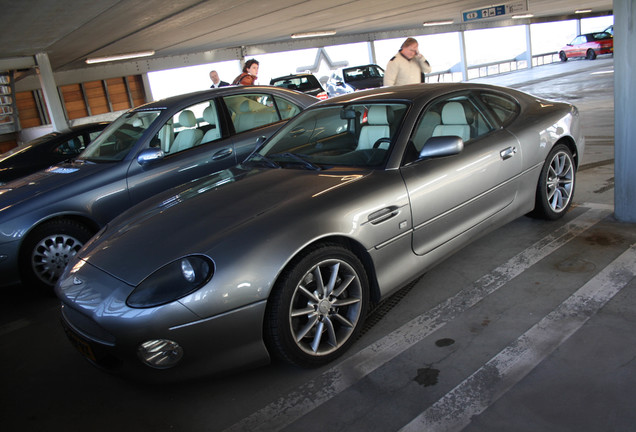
{"points": [[502, 11]]}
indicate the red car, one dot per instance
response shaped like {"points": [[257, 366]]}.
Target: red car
{"points": [[589, 46]]}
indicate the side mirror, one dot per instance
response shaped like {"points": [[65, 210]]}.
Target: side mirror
{"points": [[441, 146], [150, 155]]}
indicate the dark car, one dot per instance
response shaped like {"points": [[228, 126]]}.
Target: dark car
{"points": [[47, 216], [284, 254], [349, 79], [588, 45], [305, 83], [47, 150]]}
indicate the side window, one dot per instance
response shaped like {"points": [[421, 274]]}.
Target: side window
{"points": [[455, 116], [92, 136], [250, 111], [505, 108], [188, 128], [71, 147], [286, 109]]}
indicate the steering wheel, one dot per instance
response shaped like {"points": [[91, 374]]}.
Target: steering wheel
{"points": [[380, 141]]}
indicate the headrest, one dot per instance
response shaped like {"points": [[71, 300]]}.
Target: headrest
{"points": [[453, 113], [245, 106], [209, 115], [377, 115], [187, 119]]}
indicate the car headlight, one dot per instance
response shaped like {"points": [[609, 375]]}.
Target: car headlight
{"points": [[172, 282]]}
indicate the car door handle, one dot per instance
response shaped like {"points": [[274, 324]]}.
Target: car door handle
{"points": [[222, 153], [383, 215], [508, 152]]}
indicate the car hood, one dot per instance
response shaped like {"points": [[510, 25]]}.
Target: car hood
{"points": [[67, 176], [203, 216]]}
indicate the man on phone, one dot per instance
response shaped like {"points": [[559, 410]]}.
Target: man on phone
{"points": [[408, 66]]}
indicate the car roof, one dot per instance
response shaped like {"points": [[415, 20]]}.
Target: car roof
{"points": [[410, 92], [193, 97]]}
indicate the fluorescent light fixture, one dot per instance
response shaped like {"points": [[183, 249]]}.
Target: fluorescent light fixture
{"points": [[119, 57], [522, 16], [583, 11], [313, 34], [436, 23]]}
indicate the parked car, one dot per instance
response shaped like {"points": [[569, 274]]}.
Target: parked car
{"points": [[47, 216], [305, 83], [589, 46], [47, 150], [283, 254], [350, 79]]}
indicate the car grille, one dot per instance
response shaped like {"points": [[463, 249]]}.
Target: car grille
{"points": [[87, 326]]}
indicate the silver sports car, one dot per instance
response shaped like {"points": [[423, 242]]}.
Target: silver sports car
{"points": [[284, 254]]}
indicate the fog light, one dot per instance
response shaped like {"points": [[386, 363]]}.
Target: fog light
{"points": [[160, 353]]}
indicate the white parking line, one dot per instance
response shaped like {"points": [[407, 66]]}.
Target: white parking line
{"points": [[330, 383], [453, 412]]}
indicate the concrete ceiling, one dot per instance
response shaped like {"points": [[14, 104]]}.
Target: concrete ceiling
{"points": [[69, 31]]}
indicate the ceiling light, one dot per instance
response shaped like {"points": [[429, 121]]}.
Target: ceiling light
{"points": [[435, 23], [583, 11], [119, 57], [314, 34], [522, 16]]}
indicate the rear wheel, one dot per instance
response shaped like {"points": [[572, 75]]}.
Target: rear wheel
{"points": [[556, 184], [563, 57], [48, 249], [317, 308], [590, 55]]}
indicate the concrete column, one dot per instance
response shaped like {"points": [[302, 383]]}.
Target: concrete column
{"points": [[462, 54], [528, 46], [624, 110], [49, 89]]}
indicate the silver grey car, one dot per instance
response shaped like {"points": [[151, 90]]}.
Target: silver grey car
{"points": [[284, 254], [46, 217]]}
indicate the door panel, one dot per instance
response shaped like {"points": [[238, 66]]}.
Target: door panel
{"points": [[453, 194]]}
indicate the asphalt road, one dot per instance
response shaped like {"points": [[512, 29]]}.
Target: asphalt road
{"points": [[528, 329]]}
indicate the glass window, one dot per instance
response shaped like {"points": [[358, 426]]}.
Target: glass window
{"points": [[188, 128], [456, 116], [351, 135], [250, 111], [71, 147], [117, 139], [504, 107]]}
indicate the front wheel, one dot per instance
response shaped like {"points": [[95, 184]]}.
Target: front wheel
{"points": [[47, 250], [317, 308], [556, 184], [563, 57]]}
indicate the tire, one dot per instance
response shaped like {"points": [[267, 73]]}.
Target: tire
{"points": [[563, 57], [317, 307], [590, 55], [47, 250], [556, 184]]}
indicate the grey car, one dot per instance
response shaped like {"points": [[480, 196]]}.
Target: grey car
{"points": [[47, 216], [284, 254]]}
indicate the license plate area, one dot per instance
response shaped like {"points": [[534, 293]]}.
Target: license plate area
{"points": [[80, 344]]}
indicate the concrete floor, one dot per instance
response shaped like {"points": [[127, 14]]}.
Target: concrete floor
{"points": [[531, 328]]}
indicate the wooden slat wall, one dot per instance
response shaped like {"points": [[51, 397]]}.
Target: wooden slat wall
{"points": [[73, 100], [27, 110]]}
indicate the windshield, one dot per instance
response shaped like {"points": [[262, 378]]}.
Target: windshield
{"points": [[359, 135], [115, 142]]}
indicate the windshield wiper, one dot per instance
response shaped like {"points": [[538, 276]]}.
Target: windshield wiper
{"points": [[303, 161], [254, 156]]}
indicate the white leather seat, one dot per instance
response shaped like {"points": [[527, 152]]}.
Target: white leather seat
{"points": [[453, 122], [377, 127], [187, 138], [209, 115]]}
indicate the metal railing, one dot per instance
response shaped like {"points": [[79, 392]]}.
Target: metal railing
{"points": [[454, 74]]}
